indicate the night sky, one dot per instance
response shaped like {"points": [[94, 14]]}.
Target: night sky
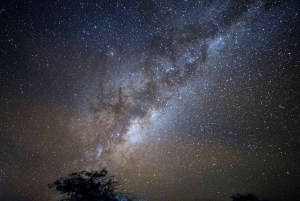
{"points": [[181, 100]]}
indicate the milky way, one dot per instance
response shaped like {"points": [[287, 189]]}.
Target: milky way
{"points": [[181, 100]]}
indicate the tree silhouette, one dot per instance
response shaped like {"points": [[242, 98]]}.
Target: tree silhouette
{"points": [[246, 197], [88, 186]]}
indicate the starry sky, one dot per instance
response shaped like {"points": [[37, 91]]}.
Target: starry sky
{"points": [[180, 99]]}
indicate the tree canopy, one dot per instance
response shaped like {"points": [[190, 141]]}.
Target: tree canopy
{"points": [[88, 186], [245, 197]]}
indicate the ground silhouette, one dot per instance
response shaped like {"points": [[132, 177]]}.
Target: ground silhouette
{"points": [[99, 186]]}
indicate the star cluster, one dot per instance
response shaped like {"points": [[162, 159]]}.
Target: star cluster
{"points": [[181, 100]]}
